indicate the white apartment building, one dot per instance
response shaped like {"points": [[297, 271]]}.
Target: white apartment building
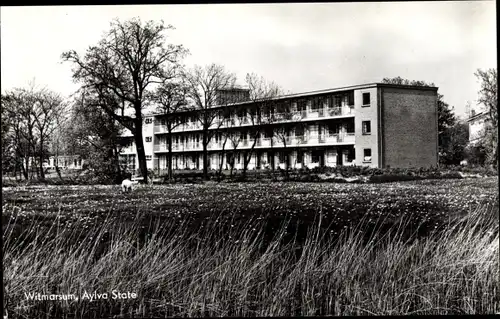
{"points": [[376, 125]]}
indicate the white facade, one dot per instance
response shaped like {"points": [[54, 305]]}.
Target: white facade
{"points": [[62, 161], [322, 128], [477, 125]]}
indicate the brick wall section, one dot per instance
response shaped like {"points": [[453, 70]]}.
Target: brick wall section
{"points": [[366, 113], [409, 127]]}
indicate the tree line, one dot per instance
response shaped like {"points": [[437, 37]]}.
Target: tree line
{"points": [[133, 68]]}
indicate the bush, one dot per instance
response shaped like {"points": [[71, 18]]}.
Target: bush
{"points": [[387, 178]]}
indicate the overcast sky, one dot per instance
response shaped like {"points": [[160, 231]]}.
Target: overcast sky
{"points": [[302, 47]]}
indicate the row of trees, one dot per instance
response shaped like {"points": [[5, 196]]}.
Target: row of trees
{"points": [[216, 123], [30, 118], [132, 67], [487, 147]]}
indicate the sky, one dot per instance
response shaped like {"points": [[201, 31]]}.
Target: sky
{"points": [[300, 46]]}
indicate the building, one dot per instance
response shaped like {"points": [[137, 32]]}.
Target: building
{"points": [[65, 162], [477, 125], [62, 161], [375, 125]]}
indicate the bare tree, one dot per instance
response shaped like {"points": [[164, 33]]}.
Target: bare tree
{"points": [[263, 94], [33, 115], [94, 136], [285, 125], [18, 117], [224, 134], [488, 97], [171, 98], [118, 73], [49, 111], [204, 85], [235, 137]]}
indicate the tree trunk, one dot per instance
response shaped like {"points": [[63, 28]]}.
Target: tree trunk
{"points": [[42, 173], [205, 154], [246, 160], [29, 170], [25, 169], [116, 160], [219, 173], [56, 166], [285, 156], [231, 164], [140, 150], [272, 155], [169, 156], [20, 164]]}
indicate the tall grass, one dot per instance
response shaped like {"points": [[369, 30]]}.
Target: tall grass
{"points": [[214, 272]]}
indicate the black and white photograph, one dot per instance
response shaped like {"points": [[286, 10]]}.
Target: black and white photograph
{"points": [[250, 160]]}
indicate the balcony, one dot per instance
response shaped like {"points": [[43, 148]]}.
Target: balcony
{"points": [[293, 116], [188, 126], [292, 141], [331, 112]]}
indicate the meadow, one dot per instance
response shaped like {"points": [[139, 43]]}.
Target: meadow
{"points": [[254, 249]]}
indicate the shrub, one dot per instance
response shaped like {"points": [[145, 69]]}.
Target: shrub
{"points": [[386, 178]]}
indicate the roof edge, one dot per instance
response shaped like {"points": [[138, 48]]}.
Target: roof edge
{"points": [[332, 90]]}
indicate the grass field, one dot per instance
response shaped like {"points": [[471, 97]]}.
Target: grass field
{"points": [[273, 249]]}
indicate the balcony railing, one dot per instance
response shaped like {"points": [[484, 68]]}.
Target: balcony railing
{"points": [[284, 117]]}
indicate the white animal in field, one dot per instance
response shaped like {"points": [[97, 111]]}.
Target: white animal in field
{"points": [[127, 185]]}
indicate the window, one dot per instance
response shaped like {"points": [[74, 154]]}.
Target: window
{"points": [[148, 157], [333, 129], [367, 129], [367, 155], [338, 101], [315, 156], [350, 98], [299, 131], [299, 157], [350, 127], [149, 120], [149, 138], [366, 99], [281, 156], [314, 104], [301, 105], [131, 162], [351, 155], [321, 102]]}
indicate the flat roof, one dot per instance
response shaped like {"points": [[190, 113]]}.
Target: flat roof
{"points": [[234, 89], [477, 116], [324, 91]]}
